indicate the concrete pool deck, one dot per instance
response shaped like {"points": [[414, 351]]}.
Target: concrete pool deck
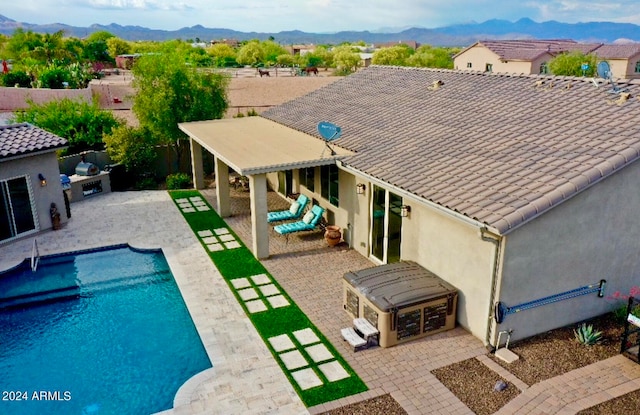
{"points": [[245, 378]]}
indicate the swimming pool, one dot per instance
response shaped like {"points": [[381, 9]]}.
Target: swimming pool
{"points": [[98, 332]]}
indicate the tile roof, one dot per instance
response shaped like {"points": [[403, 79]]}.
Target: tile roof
{"points": [[498, 148], [527, 49], [624, 51], [21, 139]]}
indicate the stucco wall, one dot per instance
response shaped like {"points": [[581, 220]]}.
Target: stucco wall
{"points": [[47, 165], [592, 236], [479, 56], [16, 98]]}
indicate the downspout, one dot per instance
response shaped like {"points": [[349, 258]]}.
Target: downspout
{"points": [[497, 241]]}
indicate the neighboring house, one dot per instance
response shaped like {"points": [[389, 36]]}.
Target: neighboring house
{"points": [[234, 43], [516, 56], [624, 60], [300, 49], [126, 61], [29, 180], [512, 188], [411, 43]]}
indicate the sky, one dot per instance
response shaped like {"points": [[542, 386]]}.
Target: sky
{"points": [[320, 16]]}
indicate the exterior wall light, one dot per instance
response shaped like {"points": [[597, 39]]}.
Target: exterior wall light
{"points": [[405, 210], [43, 181], [360, 188]]}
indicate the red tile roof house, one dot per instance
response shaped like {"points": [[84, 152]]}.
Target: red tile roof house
{"points": [[520, 187], [27, 156]]}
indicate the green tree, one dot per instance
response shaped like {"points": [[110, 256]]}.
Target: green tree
{"points": [[117, 46], [345, 59], [395, 55], [95, 47], [570, 64], [51, 47], [132, 147], [325, 55], [286, 59], [250, 54], [222, 54], [83, 124], [271, 50], [429, 57], [169, 92]]}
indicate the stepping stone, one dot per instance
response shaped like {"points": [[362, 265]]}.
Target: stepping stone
{"points": [[215, 247], [205, 233], [195, 198], [256, 306], [182, 200], [268, 290], [232, 245], [188, 210], [210, 240], [306, 379], [319, 353], [184, 205], [293, 360], [333, 371], [240, 283], [199, 203], [281, 343], [278, 301], [306, 336], [226, 237], [260, 279], [221, 231], [203, 208], [248, 294]]}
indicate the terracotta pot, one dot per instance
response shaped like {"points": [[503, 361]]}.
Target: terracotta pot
{"points": [[333, 235]]}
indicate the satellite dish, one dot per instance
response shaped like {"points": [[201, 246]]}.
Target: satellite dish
{"points": [[329, 131], [604, 70]]}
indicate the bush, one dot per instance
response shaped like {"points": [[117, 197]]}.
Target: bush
{"points": [[16, 78], [178, 181], [146, 183], [54, 78]]}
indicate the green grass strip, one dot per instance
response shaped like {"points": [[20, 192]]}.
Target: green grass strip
{"points": [[272, 322]]}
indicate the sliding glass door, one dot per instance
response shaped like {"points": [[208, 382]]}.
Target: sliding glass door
{"points": [[16, 209], [386, 225]]}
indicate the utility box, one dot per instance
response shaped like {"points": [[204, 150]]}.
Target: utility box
{"points": [[403, 300]]}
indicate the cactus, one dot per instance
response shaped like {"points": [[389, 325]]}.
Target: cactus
{"points": [[587, 335]]}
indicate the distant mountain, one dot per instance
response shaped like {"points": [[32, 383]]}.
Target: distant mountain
{"points": [[454, 35]]}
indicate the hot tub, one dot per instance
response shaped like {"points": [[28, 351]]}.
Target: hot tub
{"points": [[403, 300]]}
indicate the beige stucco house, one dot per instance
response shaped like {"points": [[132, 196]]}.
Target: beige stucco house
{"points": [[624, 60], [512, 188], [29, 180]]}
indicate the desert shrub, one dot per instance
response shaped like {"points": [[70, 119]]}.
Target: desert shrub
{"points": [[16, 78], [178, 181], [622, 303], [587, 335], [252, 113], [53, 78]]}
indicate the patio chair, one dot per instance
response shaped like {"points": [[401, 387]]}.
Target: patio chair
{"points": [[294, 212], [308, 223]]}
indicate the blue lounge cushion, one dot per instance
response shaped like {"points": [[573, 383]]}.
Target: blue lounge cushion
{"points": [[289, 214], [301, 225]]}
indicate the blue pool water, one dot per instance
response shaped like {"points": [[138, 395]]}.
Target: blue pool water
{"points": [[98, 333]]}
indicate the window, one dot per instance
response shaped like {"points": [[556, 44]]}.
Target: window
{"points": [[307, 178], [638, 67], [488, 67], [469, 65], [16, 208], [544, 69], [329, 184]]}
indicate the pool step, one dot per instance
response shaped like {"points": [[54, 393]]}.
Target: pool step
{"points": [[57, 294], [75, 290]]}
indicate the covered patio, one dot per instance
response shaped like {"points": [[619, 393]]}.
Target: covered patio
{"points": [[253, 147]]}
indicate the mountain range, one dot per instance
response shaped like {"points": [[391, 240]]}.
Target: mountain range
{"points": [[454, 35]]}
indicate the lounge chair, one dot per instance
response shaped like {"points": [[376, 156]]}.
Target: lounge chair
{"points": [[294, 211], [308, 223]]}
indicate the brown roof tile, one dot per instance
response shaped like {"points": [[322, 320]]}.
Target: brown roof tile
{"points": [[21, 139], [477, 137]]}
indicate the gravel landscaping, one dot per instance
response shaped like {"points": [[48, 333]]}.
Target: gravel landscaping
{"points": [[384, 404]]}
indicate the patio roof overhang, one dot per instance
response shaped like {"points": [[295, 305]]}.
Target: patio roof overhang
{"points": [[256, 145]]}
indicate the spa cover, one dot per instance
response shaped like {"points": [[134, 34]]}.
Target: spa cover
{"points": [[398, 285]]}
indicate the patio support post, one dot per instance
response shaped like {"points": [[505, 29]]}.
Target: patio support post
{"points": [[222, 188], [196, 165], [259, 225]]}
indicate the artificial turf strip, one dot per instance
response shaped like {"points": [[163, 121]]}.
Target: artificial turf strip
{"points": [[273, 322]]}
